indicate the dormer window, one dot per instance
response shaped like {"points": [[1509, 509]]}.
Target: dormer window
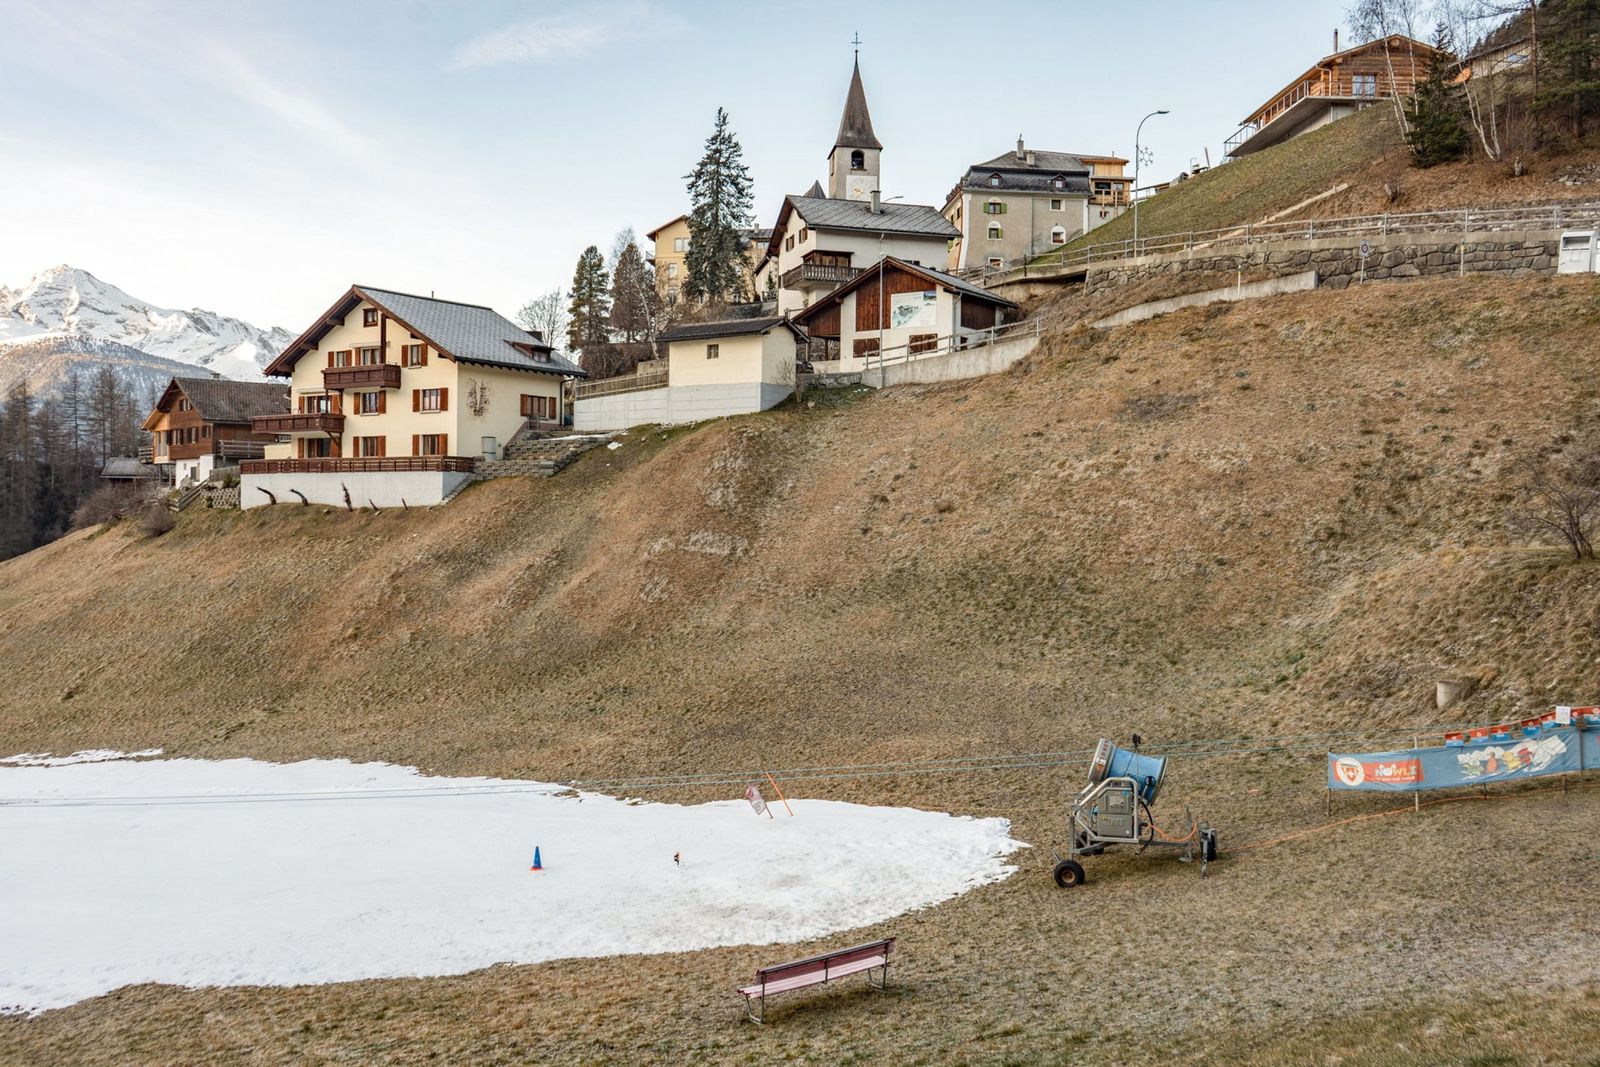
{"points": [[994, 181], [858, 160], [369, 316], [1058, 182]]}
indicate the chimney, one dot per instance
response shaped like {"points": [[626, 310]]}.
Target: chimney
{"points": [[1032, 159], [875, 207], [1019, 146], [1336, 39]]}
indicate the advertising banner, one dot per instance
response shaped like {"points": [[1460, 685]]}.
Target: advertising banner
{"points": [[1551, 749]]}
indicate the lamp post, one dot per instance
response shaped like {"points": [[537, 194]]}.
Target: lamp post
{"points": [[1136, 154]]}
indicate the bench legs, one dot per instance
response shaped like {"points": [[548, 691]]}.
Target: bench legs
{"points": [[761, 1002], [759, 1015]]}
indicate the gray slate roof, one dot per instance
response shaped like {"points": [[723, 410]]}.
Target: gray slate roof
{"points": [[220, 400], [1054, 162], [1017, 175], [826, 213], [471, 333], [694, 331], [855, 125], [126, 468]]}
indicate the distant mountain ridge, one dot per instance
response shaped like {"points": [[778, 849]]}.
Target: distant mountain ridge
{"points": [[65, 318]]}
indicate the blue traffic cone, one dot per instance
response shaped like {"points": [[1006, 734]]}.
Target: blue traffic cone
{"points": [[537, 866]]}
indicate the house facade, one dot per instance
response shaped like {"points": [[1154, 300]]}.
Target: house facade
{"points": [[396, 397], [1025, 202], [712, 369], [670, 257], [898, 309], [200, 424], [827, 236], [1337, 85]]}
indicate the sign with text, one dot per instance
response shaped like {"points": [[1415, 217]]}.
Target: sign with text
{"points": [[753, 795], [913, 309], [1554, 750]]}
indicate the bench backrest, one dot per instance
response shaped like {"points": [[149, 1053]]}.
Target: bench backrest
{"points": [[827, 960]]}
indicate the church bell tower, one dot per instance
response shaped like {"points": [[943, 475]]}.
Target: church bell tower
{"points": [[853, 164]]}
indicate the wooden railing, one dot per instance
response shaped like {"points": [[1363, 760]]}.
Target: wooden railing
{"points": [[817, 274], [360, 465], [1341, 86], [371, 376], [298, 422], [653, 378]]}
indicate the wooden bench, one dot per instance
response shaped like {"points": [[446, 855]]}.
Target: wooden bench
{"points": [[817, 970]]}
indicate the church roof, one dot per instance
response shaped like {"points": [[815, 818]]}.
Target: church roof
{"points": [[855, 127], [815, 190]]}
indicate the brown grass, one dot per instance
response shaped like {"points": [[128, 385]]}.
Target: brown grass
{"points": [[1270, 517]]}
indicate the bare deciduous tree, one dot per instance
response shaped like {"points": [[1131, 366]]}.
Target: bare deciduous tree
{"points": [[547, 316], [1561, 499]]}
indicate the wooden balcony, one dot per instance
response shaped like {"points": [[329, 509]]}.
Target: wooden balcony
{"points": [[360, 465], [817, 276], [371, 376], [295, 422]]}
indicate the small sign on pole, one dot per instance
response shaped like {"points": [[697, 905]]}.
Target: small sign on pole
{"points": [[1563, 715], [753, 795]]}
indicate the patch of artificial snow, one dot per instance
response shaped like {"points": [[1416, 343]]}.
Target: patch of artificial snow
{"points": [[88, 755], [240, 872], [614, 445]]}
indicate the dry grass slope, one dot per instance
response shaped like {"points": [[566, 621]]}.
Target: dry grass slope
{"points": [[1264, 517]]}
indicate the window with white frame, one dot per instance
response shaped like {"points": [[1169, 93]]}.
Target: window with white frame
{"points": [[680, 244], [1058, 236], [995, 232], [996, 261], [994, 207], [1055, 205], [994, 181]]}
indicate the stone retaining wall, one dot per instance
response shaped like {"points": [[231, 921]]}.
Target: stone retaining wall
{"points": [[1337, 261]]}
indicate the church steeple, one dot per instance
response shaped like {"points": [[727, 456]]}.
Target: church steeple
{"points": [[853, 163]]}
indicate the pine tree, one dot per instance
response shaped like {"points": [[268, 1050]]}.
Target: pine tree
{"points": [[1437, 131], [634, 301], [19, 472], [1569, 64], [721, 198], [589, 331]]}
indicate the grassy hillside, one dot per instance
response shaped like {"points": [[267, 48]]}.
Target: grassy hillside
{"points": [[1270, 517], [1364, 152]]}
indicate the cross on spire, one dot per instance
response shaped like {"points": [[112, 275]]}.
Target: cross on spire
{"points": [[856, 40]]}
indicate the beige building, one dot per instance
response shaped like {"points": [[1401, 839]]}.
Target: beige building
{"points": [[713, 369], [1022, 203], [396, 397], [670, 258]]}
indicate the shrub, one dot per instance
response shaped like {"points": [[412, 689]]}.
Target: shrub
{"points": [[156, 519], [106, 504]]}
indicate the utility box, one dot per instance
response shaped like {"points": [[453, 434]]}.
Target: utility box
{"points": [[1577, 253]]}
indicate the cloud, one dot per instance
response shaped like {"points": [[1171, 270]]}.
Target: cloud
{"points": [[552, 38]]}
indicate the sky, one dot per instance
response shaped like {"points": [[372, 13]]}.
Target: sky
{"points": [[256, 159]]}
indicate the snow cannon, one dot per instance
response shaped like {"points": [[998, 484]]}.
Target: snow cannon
{"points": [[1114, 809], [1113, 762]]}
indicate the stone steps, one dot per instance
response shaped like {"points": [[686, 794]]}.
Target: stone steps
{"points": [[538, 458]]}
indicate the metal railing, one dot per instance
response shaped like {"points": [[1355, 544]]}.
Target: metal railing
{"points": [[1468, 221], [961, 342], [359, 465]]}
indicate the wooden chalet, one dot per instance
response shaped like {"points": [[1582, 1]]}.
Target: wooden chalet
{"points": [[1336, 85], [202, 423]]}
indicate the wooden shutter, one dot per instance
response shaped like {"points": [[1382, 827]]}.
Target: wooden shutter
{"points": [[422, 348], [444, 444], [416, 444], [383, 446], [416, 400], [383, 401], [330, 357], [444, 399]]}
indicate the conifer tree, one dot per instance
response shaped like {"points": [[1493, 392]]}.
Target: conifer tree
{"points": [[589, 331], [634, 303], [1569, 64], [1437, 131], [721, 197]]}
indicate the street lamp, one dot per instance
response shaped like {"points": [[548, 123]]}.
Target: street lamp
{"points": [[1136, 134]]}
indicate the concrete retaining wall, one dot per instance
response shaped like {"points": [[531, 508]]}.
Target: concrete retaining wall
{"points": [[954, 366], [674, 404], [1289, 283], [386, 490], [1337, 261]]}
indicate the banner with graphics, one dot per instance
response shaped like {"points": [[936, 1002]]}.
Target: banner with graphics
{"points": [[1547, 750]]}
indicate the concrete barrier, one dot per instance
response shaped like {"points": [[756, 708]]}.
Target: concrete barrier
{"points": [[1289, 283], [954, 366]]}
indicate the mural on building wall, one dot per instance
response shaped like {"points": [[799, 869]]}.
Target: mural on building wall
{"points": [[913, 309], [477, 397]]}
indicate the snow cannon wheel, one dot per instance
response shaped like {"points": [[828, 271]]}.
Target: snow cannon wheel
{"points": [[1208, 844], [1069, 874]]}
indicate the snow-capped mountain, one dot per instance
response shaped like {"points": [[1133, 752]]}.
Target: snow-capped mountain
{"points": [[69, 312]]}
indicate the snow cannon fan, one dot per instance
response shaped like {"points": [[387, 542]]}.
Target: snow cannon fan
{"points": [[1114, 809]]}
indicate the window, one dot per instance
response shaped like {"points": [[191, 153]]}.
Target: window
{"points": [[1058, 182], [416, 355], [430, 399], [316, 404], [994, 181], [865, 347], [370, 447], [370, 357], [680, 244], [1365, 85], [369, 316], [339, 358], [429, 444], [804, 233], [1058, 236], [672, 270], [996, 262], [1055, 205], [205, 431], [994, 207], [538, 407], [788, 243], [858, 160], [183, 404], [713, 351], [315, 447], [369, 403], [994, 231], [923, 342]]}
